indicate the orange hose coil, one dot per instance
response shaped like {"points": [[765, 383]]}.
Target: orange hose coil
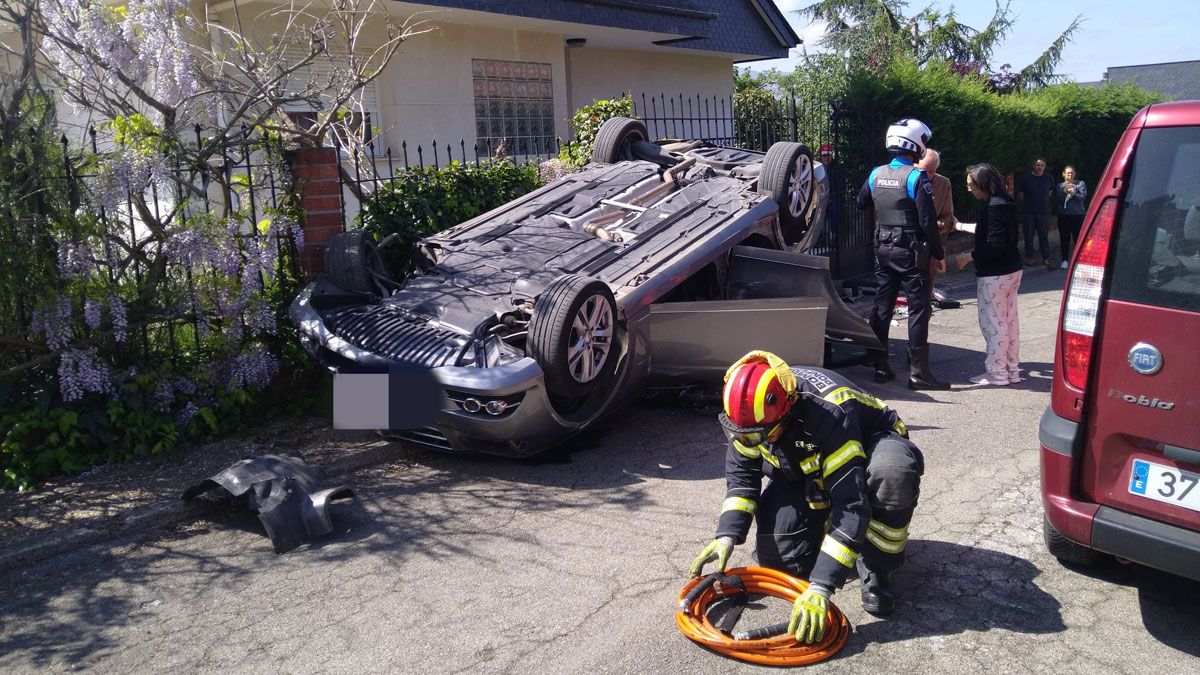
{"points": [[782, 650]]}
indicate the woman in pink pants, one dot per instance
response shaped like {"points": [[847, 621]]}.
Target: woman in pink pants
{"points": [[998, 266]]}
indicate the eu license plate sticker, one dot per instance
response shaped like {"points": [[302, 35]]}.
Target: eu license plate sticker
{"points": [[1165, 484]]}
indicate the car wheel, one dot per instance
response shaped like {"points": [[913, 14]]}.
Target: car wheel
{"points": [[788, 177], [1064, 549], [615, 138], [352, 262], [572, 335]]}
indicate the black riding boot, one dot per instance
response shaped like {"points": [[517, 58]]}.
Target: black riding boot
{"points": [[919, 375], [880, 326]]}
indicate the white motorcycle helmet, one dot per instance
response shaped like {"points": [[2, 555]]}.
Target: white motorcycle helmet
{"points": [[909, 134]]}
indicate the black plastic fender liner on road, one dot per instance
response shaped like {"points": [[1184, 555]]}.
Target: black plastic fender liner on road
{"points": [[788, 177], [572, 335], [615, 138], [352, 260]]}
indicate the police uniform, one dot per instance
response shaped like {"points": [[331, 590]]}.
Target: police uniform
{"points": [[844, 480], [906, 235]]}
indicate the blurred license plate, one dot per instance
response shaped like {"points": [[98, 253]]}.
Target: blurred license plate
{"points": [[1165, 484], [397, 399]]}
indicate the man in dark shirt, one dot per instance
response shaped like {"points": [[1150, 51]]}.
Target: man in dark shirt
{"points": [[1035, 190]]}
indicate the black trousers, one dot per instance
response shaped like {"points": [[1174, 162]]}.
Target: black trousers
{"points": [[896, 267], [1068, 233], [789, 532], [1039, 223]]}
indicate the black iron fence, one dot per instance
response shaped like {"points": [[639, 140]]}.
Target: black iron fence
{"points": [[89, 264]]}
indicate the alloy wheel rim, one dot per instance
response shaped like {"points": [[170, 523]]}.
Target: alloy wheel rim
{"points": [[800, 186], [591, 339]]}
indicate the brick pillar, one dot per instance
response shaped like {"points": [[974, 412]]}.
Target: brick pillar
{"points": [[320, 189]]}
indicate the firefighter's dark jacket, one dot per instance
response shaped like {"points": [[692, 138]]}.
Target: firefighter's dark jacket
{"points": [[821, 452], [920, 191]]}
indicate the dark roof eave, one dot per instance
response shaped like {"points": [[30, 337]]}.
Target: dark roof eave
{"points": [[683, 43], [778, 23]]}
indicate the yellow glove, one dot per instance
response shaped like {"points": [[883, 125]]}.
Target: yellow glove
{"points": [[719, 550], [786, 377], [808, 615]]}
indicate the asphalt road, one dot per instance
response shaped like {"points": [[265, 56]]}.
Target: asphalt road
{"points": [[571, 565]]}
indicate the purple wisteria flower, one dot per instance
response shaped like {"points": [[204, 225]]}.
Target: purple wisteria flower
{"points": [[91, 314], [185, 386], [116, 311], [189, 247], [164, 396], [81, 372], [187, 413], [260, 318], [53, 323], [75, 259], [254, 368]]}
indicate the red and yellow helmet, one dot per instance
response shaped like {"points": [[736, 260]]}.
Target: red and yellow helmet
{"points": [[754, 396]]}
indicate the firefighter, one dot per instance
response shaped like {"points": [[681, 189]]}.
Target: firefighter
{"points": [[906, 237], [844, 484]]}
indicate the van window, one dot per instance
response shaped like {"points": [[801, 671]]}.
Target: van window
{"points": [[1157, 258]]}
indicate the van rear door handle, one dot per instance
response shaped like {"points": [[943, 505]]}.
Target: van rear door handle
{"points": [[1181, 454]]}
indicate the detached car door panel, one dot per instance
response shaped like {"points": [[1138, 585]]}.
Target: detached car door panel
{"points": [[762, 273], [697, 341]]}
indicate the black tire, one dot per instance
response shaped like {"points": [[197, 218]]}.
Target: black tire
{"points": [[614, 140], [1064, 549], [350, 259], [788, 177], [553, 333]]}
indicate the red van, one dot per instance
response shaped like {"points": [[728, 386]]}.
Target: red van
{"points": [[1120, 442]]}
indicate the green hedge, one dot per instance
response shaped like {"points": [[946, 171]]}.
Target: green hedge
{"points": [[1066, 124], [420, 202]]}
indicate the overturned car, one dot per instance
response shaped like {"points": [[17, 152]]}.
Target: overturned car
{"points": [[658, 264]]}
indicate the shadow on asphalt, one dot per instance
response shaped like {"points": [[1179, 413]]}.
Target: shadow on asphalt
{"points": [[1168, 603], [948, 589], [955, 365], [65, 611]]}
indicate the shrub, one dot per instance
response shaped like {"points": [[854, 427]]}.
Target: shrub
{"points": [[586, 122], [1066, 124], [423, 201]]}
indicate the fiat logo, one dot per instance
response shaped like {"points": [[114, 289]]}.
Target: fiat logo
{"points": [[1145, 358]]}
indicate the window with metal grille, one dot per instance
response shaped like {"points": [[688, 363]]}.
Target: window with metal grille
{"points": [[514, 107]]}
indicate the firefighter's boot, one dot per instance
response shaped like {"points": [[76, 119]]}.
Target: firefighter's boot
{"points": [[919, 375], [877, 595]]}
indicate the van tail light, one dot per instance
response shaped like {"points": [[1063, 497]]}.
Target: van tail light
{"points": [[1084, 294]]}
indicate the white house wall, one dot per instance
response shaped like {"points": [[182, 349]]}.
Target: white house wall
{"points": [[605, 73], [427, 91]]}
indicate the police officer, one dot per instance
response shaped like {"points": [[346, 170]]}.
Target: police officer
{"points": [[844, 480], [906, 236]]}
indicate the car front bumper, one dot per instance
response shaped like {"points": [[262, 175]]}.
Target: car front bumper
{"points": [[527, 425], [1149, 542]]}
